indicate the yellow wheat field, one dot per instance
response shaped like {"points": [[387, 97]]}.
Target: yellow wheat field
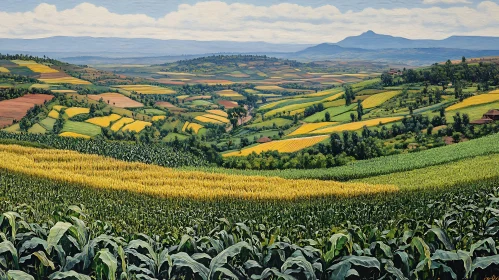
{"points": [[207, 120], [158, 118], [218, 112], [39, 68], [119, 124], [378, 99], [300, 107], [147, 89], [309, 127], [492, 92], [73, 111], [106, 173], [74, 135], [334, 97], [275, 88], [104, 121], [194, 126], [474, 100], [324, 92], [283, 146], [356, 125], [66, 80], [229, 93], [58, 108], [54, 114], [24, 62], [4, 70], [136, 126], [216, 117]]}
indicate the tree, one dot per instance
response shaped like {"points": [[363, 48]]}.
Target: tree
{"points": [[236, 114], [352, 116], [387, 79], [360, 110], [327, 117]]}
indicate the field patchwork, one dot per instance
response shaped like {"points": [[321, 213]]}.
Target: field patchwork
{"points": [[309, 127], [116, 100], [17, 108], [147, 89], [356, 125], [122, 122], [378, 99], [69, 166], [136, 126], [474, 100], [283, 146], [104, 121]]}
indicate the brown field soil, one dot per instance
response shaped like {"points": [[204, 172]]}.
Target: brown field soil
{"points": [[16, 109], [198, 97], [117, 100], [214, 82], [165, 104], [169, 82], [53, 75], [228, 104]]}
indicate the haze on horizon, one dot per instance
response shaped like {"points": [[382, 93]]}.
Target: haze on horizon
{"points": [[291, 21]]}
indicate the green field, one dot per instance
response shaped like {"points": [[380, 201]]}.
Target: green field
{"points": [[153, 112], [171, 137], [37, 129], [279, 122], [82, 128], [333, 111], [48, 123]]}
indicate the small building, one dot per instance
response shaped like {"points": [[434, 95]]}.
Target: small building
{"points": [[492, 114], [482, 121], [264, 139]]}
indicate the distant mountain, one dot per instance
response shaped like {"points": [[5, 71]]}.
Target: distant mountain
{"points": [[373, 41], [58, 47], [409, 56]]}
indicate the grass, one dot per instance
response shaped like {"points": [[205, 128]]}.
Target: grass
{"points": [[171, 137], [13, 128], [279, 122], [474, 100], [446, 175], [153, 112], [73, 167], [37, 129], [283, 146], [81, 128], [201, 103], [389, 164], [48, 123], [333, 111]]}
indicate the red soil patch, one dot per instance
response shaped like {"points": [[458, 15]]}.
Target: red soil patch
{"points": [[165, 104], [169, 82], [198, 97], [117, 100], [53, 75], [228, 104], [16, 109]]}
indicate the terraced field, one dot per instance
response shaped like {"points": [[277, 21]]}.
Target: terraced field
{"points": [[283, 146]]}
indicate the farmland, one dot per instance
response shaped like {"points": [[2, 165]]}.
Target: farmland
{"points": [[361, 171], [16, 109], [283, 146]]}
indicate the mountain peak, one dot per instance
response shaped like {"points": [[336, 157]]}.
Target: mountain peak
{"points": [[369, 32]]}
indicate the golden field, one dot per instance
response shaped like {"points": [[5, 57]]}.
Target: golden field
{"points": [[73, 111], [74, 135], [378, 99], [309, 127], [4, 70], [276, 88], [136, 126], [66, 80], [207, 120], [147, 89], [474, 100], [119, 124], [229, 93], [106, 173], [39, 68], [104, 121], [356, 125], [54, 114], [217, 118], [218, 112], [194, 126], [158, 118], [283, 146]]}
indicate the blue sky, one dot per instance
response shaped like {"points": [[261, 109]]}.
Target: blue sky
{"points": [[288, 21]]}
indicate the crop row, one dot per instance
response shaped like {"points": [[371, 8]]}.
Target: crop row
{"points": [[102, 172]]}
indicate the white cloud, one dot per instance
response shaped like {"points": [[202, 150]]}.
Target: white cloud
{"points": [[431, 2], [283, 23]]}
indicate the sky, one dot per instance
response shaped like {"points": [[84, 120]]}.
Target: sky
{"points": [[288, 21]]}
